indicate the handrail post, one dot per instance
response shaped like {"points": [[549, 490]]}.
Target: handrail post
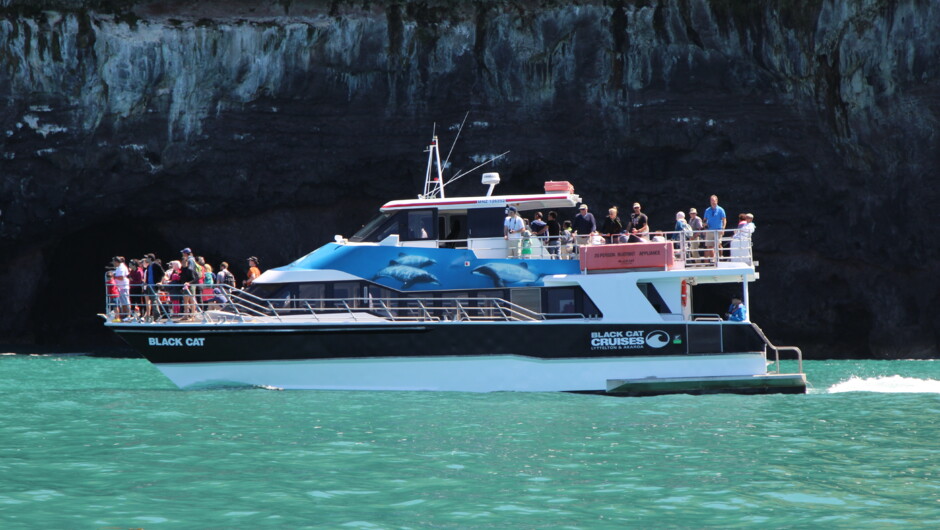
{"points": [[349, 310], [427, 315]]}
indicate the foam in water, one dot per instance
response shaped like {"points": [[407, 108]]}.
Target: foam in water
{"points": [[887, 384]]}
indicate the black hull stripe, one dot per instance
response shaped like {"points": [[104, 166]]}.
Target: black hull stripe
{"points": [[178, 344]]}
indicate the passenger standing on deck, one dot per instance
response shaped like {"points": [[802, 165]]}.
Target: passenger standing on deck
{"points": [[697, 226], [584, 225], [208, 280], [539, 229], [225, 276], [173, 280], [554, 233], [123, 284], [253, 270], [741, 241], [153, 275], [189, 274], [612, 227], [736, 311], [136, 279], [639, 222], [512, 232], [566, 240], [112, 293], [682, 236], [715, 220]]}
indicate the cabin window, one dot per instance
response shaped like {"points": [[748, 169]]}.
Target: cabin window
{"points": [[419, 225], [382, 224], [486, 222], [347, 291], [588, 308], [529, 298], [654, 298], [314, 292], [410, 225], [454, 226], [561, 301]]}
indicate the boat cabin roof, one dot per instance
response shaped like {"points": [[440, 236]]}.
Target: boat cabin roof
{"points": [[521, 202]]}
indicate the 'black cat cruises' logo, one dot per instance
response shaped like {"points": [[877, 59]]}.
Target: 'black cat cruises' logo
{"points": [[657, 339], [629, 340]]}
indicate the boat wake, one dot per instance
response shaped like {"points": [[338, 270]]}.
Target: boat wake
{"points": [[894, 384]]}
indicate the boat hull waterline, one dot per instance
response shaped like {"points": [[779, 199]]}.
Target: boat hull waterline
{"points": [[449, 356]]}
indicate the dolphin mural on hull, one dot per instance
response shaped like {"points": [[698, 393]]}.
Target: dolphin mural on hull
{"points": [[407, 275], [503, 273], [411, 260]]}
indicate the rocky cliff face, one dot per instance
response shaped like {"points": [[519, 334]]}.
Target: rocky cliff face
{"points": [[265, 127]]}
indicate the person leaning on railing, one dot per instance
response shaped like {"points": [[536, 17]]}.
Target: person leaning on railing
{"points": [[741, 241], [613, 228]]}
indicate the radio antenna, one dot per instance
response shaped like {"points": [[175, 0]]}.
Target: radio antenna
{"points": [[476, 168], [459, 129]]}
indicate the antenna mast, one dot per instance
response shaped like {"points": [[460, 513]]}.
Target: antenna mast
{"points": [[433, 178]]}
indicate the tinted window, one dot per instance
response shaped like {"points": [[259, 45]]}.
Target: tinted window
{"points": [[651, 294], [374, 226], [419, 224], [560, 300], [345, 291], [486, 222]]}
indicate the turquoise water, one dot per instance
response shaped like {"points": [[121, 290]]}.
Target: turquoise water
{"points": [[109, 443]]}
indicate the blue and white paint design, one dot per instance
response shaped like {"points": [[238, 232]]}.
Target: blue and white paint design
{"points": [[421, 269]]}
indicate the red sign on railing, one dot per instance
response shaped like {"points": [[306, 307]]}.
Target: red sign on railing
{"points": [[627, 256]]}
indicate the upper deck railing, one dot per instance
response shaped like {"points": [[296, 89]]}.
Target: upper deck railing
{"points": [[695, 251]]}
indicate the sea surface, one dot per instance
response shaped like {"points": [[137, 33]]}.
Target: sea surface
{"points": [[91, 442]]}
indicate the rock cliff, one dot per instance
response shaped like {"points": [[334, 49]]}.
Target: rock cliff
{"points": [[264, 127]]}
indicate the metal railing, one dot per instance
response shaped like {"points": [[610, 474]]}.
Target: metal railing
{"points": [[695, 251], [181, 303], [776, 351]]}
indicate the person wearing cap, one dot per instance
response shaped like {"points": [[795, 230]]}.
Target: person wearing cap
{"points": [[253, 271], [512, 232], [584, 225], [697, 226], [715, 220], [736, 311], [639, 222]]}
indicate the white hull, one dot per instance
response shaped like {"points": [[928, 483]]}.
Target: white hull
{"points": [[461, 374]]}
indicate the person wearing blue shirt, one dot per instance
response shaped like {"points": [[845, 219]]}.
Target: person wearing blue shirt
{"points": [[736, 311], [715, 218]]}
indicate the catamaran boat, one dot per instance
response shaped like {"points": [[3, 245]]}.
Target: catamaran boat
{"points": [[429, 295]]}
